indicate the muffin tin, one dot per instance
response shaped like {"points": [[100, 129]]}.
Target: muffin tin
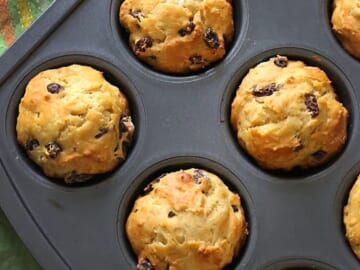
{"points": [[182, 121]]}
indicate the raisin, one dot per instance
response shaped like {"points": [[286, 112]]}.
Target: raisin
{"points": [[53, 149], [187, 30], [102, 131], [31, 144], [211, 38], [148, 189], [235, 208], [145, 264], [318, 154], [196, 59], [182, 32], [74, 177], [126, 125], [142, 44], [281, 61], [122, 126], [197, 175], [171, 214], [136, 14], [267, 90], [54, 88], [312, 105]]}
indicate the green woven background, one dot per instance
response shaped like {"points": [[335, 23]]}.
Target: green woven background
{"points": [[15, 17], [13, 253]]}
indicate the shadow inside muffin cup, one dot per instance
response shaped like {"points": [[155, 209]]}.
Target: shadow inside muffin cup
{"points": [[339, 81], [328, 10], [122, 36], [148, 175], [299, 264], [111, 74]]}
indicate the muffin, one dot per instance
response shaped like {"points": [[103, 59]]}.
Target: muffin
{"points": [[346, 24], [286, 114], [73, 123], [178, 36], [352, 218], [187, 219]]}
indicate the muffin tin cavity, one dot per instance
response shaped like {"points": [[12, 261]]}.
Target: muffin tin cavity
{"points": [[111, 74], [327, 11], [341, 199], [121, 36], [136, 189], [340, 83], [299, 264]]}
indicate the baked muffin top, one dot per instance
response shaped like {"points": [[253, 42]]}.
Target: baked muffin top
{"points": [[286, 114], [187, 219], [178, 36], [73, 123], [346, 24]]}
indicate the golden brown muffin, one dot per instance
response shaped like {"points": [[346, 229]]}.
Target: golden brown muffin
{"points": [[352, 218], [187, 219], [73, 123], [346, 24], [178, 36], [286, 114]]}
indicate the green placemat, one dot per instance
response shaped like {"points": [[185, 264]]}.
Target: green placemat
{"points": [[13, 253], [15, 17]]}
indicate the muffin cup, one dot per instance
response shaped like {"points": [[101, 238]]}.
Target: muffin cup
{"points": [[304, 264], [240, 17], [111, 74], [341, 84], [326, 13], [172, 164]]}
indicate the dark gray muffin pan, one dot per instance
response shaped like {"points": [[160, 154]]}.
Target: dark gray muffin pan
{"points": [[182, 121]]}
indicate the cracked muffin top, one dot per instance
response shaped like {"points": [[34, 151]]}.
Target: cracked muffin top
{"points": [[187, 219], [73, 123], [346, 24], [178, 36], [286, 114]]}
